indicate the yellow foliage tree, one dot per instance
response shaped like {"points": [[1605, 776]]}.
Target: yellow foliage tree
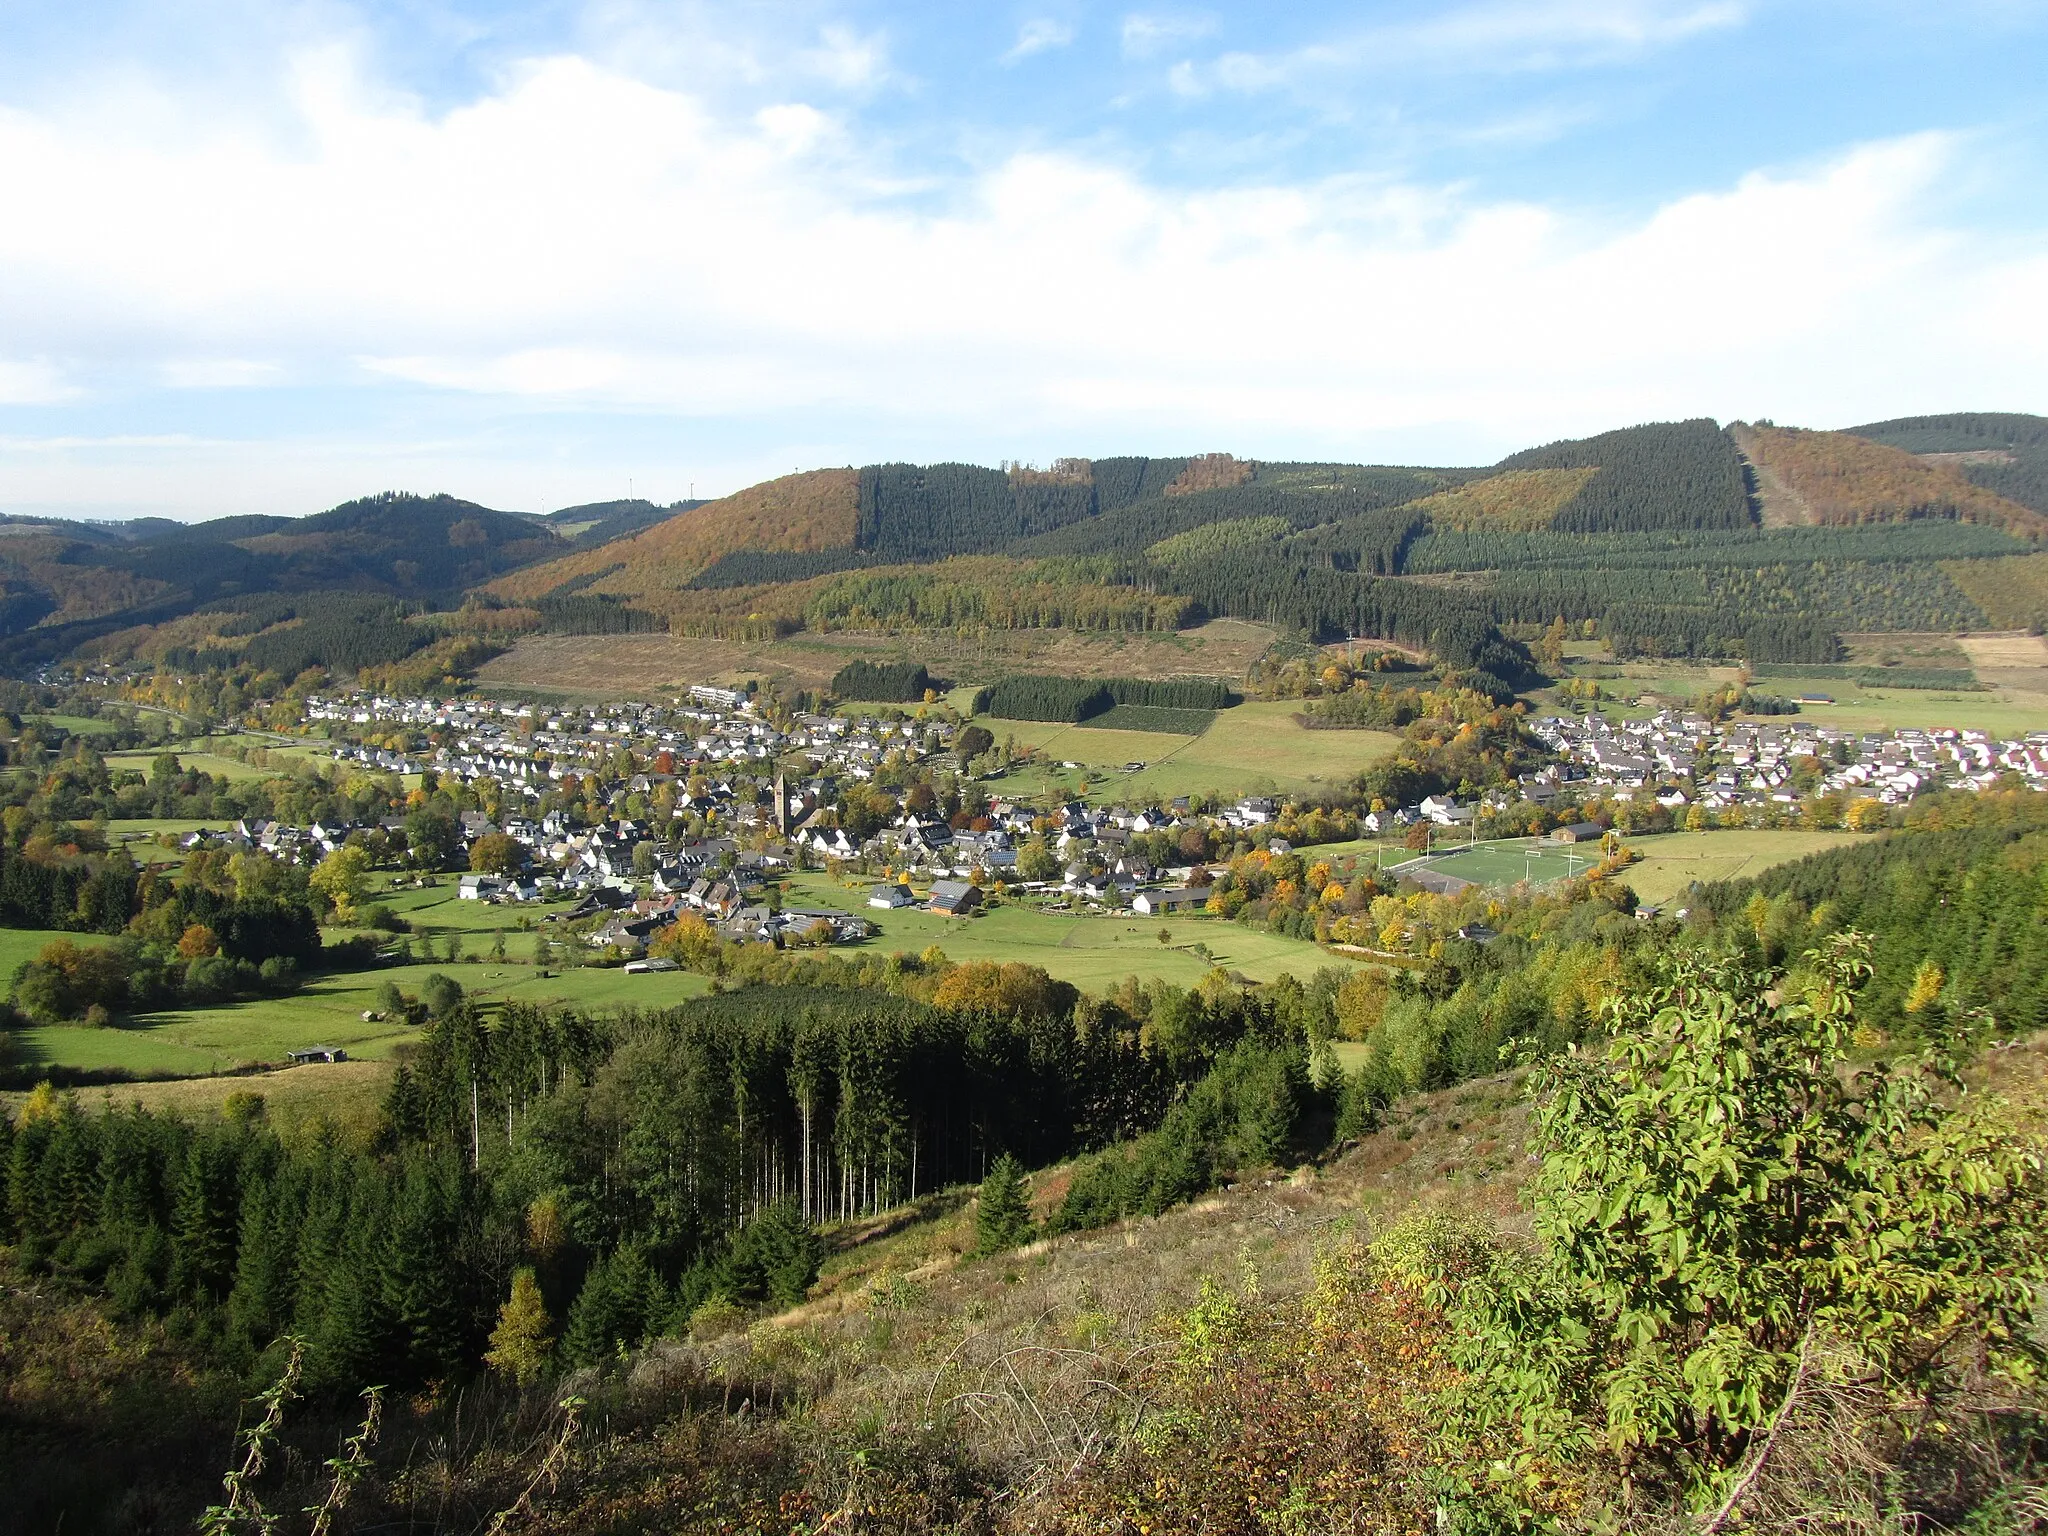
{"points": [[520, 1345]]}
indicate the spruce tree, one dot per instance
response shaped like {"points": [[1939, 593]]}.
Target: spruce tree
{"points": [[612, 1311], [204, 1228], [1002, 1219], [422, 1282]]}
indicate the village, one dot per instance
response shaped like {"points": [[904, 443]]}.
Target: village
{"points": [[620, 818]]}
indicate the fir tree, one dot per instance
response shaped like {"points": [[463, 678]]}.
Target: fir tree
{"points": [[422, 1282], [1002, 1219], [773, 1258]]}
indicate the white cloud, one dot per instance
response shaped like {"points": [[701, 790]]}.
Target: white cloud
{"points": [[218, 373], [580, 241], [1038, 35], [1506, 35], [847, 59], [32, 382], [1148, 33]]}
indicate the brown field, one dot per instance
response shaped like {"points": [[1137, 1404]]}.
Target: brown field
{"points": [[2009, 661], [617, 665]]}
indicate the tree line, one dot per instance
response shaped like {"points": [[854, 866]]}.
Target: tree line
{"points": [[893, 682], [595, 613], [1477, 549], [1025, 696], [1955, 903]]}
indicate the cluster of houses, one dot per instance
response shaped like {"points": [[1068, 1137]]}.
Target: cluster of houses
{"points": [[1685, 758], [527, 748]]}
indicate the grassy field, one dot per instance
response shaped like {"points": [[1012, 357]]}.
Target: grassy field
{"points": [[1672, 861], [196, 1042], [345, 1093], [18, 946], [77, 725], [204, 762], [1252, 749], [1090, 952], [439, 909]]}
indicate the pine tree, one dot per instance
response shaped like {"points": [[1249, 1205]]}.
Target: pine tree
{"points": [[1003, 1217], [520, 1345]]}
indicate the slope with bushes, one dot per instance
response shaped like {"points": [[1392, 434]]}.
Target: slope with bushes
{"points": [[2002, 451], [811, 511], [1848, 479]]}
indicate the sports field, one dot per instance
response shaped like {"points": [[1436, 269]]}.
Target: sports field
{"points": [[1507, 863]]}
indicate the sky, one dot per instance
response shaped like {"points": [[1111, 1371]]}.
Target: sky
{"points": [[264, 255]]}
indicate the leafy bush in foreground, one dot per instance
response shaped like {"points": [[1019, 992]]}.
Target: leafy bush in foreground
{"points": [[1733, 1231]]}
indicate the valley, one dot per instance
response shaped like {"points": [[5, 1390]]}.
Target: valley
{"points": [[935, 998]]}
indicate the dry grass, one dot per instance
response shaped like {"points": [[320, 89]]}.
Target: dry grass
{"points": [[1520, 500], [651, 664]]}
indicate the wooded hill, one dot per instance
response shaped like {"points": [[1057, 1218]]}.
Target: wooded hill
{"points": [[1680, 538], [2003, 452], [64, 584]]}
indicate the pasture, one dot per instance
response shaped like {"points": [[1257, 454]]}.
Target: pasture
{"points": [[1254, 748], [203, 762], [327, 1010]]}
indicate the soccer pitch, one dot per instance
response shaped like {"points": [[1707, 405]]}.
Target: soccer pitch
{"points": [[1507, 863]]}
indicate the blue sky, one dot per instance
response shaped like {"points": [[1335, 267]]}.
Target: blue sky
{"points": [[262, 257]]}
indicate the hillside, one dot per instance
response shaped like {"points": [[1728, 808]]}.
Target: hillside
{"points": [[599, 522], [1679, 539], [816, 510], [1840, 478]]}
